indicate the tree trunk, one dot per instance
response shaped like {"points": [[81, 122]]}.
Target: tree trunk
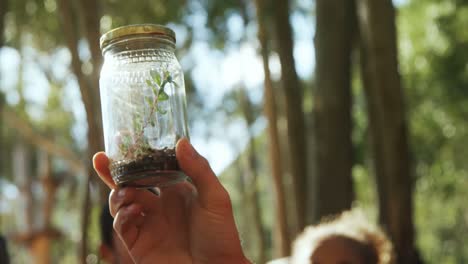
{"points": [[89, 12], [23, 179], [251, 178], [3, 151], [245, 218], [89, 88], [333, 188], [41, 242], [90, 15], [281, 237], [40, 249], [387, 122], [3, 163], [49, 185], [294, 112], [3, 10]]}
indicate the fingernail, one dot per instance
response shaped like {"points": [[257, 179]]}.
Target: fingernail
{"points": [[94, 160], [191, 152]]}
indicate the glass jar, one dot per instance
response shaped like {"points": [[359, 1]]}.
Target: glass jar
{"points": [[143, 105]]}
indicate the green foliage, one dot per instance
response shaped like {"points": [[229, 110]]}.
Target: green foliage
{"points": [[218, 13], [132, 145], [433, 61], [146, 11], [35, 18]]}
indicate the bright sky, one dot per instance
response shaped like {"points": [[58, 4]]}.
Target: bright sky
{"points": [[400, 2], [216, 73]]}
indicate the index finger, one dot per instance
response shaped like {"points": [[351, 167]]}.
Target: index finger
{"points": [[101, 166]]}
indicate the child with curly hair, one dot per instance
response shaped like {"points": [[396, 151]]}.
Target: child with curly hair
{"points": [[347, 239]]}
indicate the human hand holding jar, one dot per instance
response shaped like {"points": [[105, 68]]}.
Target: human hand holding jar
{"points": [[144, 116]]}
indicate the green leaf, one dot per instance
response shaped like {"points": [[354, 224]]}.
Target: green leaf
{"points": [[163, 96], [156, 77], [137, 124], [167, 76], [149, 101], [158, 80], [161, 111], [126, 139], [152, 86], [123, 149]]}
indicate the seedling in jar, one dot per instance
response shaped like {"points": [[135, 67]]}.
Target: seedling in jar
{"points": [[143, 106], [134, 145]]}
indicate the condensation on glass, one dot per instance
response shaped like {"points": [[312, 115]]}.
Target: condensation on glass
{"points": [[143, 105]]}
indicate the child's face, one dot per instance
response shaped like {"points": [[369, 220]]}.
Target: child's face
{"points": [[338, 250]]}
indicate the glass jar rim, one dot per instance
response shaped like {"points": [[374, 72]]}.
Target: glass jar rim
{"points": [[137, 30]]}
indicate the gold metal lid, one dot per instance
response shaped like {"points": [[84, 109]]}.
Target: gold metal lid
{"points": [[138, 29]]}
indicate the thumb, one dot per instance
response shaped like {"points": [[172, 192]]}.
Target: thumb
{"points": [[101, 166], [211, 192]]}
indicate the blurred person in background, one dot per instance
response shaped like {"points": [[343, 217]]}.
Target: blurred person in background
{"points": [[4, 257], [349, 238], [112, 250]]}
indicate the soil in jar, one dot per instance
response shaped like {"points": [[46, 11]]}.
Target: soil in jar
{"points": [[150, 163]]}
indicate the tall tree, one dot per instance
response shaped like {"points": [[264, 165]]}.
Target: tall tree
{"points": [[87, 13], [3, 11], [333, 188], [45, 233], [269, 107], [22, 171], [294, 111], [386, 110], [3, 171], [38, 232], [251, 177]]}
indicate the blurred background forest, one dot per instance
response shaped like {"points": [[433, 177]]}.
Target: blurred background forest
{"points": [[304, 109]]}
